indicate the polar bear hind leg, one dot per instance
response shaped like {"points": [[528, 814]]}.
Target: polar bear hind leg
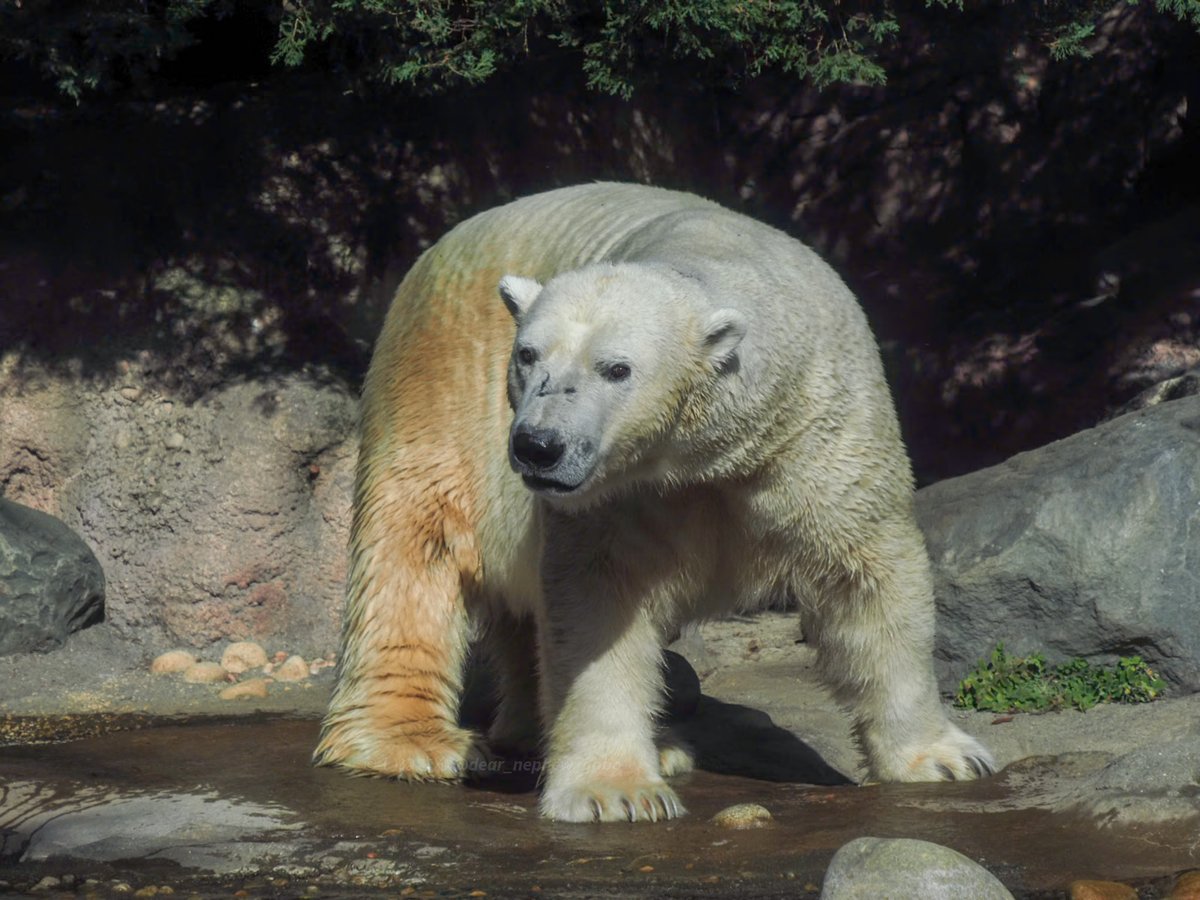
{"points": [[510, 646], [675, 757]]}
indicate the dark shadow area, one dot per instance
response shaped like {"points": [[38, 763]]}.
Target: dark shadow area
{"points": [[731, 739], [1023, 233], [726, 738], [245, 230], [983, 201]]}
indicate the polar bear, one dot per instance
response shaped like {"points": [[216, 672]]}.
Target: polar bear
{"points": [[675, 412]]}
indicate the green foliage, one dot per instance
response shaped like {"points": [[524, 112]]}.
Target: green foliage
{"points": [[432, 45], [1007, 683], [436, 44], [1072, 40], [1066, 26], [1184, 10], [81, 46]]}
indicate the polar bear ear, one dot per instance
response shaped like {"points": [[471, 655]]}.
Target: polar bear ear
{"points": [[723, 332], [518, 293]]}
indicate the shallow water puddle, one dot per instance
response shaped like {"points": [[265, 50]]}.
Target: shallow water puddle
{"points": [[239, 797]]}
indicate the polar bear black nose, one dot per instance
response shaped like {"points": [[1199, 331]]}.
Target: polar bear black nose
{"points": [[537, 448]]}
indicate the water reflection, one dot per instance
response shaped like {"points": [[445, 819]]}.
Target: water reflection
{"points": [[39, 820]]}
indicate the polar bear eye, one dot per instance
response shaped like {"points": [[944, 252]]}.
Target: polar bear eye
{"points": [[617, 372], [527, 356]]}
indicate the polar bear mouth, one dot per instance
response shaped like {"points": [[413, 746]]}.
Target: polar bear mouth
{"points": [[547, 485]]}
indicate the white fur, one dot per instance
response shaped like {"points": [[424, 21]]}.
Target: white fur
{"points": [[743, 447]]}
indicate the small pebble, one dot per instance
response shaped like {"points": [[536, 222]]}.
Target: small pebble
{"points": [[294, 668], [172, 661], [149, 890], [204, 673], [1187, 887], [743, 815], [131, 393], [246, 690], [121, 887], [48, 883], [243, 656], [1101, 890], [174, 441]]}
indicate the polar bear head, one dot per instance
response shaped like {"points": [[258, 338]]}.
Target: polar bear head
{"points": [[610, 369]]}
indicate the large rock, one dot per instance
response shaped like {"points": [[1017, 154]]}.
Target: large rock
{"points": [[50, 582], [1087, 547], [901, 867]]}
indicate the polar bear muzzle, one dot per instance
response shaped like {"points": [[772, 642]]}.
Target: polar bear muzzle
{"points": [[547, 461], [534, 453]]}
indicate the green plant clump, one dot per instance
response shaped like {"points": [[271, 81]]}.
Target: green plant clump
{"points": [[1007, 683]]}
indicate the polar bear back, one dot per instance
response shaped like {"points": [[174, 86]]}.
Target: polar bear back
{"points": [[797, 307]]}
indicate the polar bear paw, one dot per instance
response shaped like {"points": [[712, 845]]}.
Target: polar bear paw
{"points": [[954, 756], [624, 800], [447, 754], [674, 756]]}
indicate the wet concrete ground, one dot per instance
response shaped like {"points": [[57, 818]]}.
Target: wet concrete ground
{"points": [[120, 783], [212, 806]]}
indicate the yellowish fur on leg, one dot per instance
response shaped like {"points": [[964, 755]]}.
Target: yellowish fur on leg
{"points": [[414, 553], [443, 753]]}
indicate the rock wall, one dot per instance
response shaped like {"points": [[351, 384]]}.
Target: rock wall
{"points": [[226, 517]]}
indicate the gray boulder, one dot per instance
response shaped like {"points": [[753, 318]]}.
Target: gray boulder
{"points": [[1089, 547], [50, 582], [873, 868]]}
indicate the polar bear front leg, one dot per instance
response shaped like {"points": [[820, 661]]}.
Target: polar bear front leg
{"points": [[601, 686], [873, 627], [394, 710]]}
